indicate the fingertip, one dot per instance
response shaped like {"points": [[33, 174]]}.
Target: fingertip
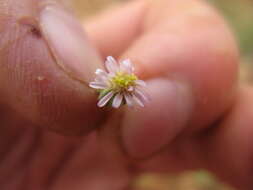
{"points": [[68, 43], [147, 130]]}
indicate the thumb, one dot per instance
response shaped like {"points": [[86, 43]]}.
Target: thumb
{"points": [[46, 64]]}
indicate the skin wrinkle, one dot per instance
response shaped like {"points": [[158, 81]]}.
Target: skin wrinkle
{"points": [[9, 43], [65, 164], [16, 75], [26, 145], [45, 181], [61, 165], [14, 137], [27, 157], [26, 26], [13, 42], [11, 145]]}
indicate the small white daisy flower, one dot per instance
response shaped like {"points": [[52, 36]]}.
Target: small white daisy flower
{"points": [[119, 85]]}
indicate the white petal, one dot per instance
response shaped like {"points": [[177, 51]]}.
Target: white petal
{"points": [[141, 83], [129, 99], [111, 75], [138, 100], [141, 94], [102, 76], [117, 101], [101, 72], [101, 79], [98, 85], [103, 101], [111, 65], [111, 59], [126, 66], [130, 88]]}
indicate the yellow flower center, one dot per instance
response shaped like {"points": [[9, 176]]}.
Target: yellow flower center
{"points": [[123, 81]]}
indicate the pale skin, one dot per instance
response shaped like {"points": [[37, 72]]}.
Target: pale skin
{"points": [[54, 137]]}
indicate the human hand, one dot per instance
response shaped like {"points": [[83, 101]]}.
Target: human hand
{"points": [[198, 116]]}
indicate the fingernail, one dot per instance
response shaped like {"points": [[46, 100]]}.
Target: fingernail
{"points": [[68, 43], [147, 130]]}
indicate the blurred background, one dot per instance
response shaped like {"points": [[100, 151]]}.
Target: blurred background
{"points": [[239, 14]]}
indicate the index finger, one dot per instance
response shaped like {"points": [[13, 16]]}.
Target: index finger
{"points": [[189, 56], [191, 60]]}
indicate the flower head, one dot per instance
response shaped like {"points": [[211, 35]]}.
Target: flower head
{"points": [[119, 85]]}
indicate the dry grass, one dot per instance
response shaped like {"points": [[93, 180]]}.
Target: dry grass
{"points": [[89, 7]]}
